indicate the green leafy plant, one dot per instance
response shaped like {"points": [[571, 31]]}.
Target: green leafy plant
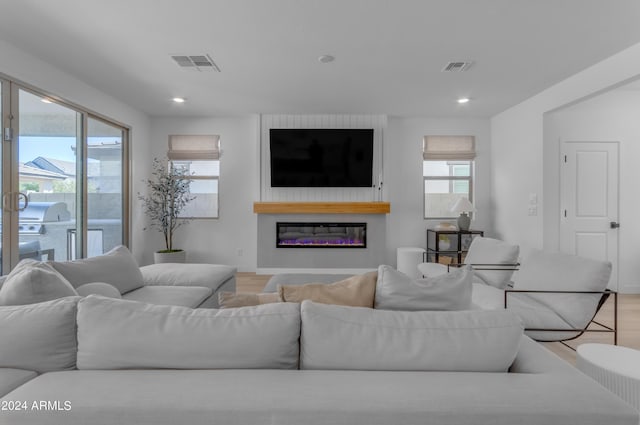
{"points": [[168, 194]]}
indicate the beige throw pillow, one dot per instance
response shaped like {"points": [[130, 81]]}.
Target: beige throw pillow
{"points": [[356, 291], [233, 299]]}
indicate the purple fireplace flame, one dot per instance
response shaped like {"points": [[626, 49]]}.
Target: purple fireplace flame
{"points": [[321, 235]]}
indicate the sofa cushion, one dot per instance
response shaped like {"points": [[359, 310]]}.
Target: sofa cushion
{"points": [[32, 282], [397, 291], [39, 337], [537, 315], [228, 299], [533, 313], [321, 397], [492, 251], [11, 379], [98, 288], [121, 334], [208, 275], [185, 296], [356, 291], [554, 271], [337, 337], [117, 267]]}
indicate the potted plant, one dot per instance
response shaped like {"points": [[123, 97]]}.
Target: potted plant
{"points": [[168, 194]]}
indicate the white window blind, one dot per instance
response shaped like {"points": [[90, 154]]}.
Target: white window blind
{"points": [[448, 148], [194, 147]]}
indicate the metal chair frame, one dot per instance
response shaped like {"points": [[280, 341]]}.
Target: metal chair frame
{"points": [[601, 327]]}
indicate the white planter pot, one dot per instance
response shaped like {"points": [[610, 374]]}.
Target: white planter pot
{"points": [[170, 257]]}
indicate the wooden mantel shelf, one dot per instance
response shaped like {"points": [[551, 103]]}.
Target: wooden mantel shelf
{"points": [[321, 207]]}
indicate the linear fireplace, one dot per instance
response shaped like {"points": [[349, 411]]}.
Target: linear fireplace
{"points": [[321, 235]]}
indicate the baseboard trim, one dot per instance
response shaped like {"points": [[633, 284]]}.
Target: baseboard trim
{"points": [[629, 289], [277, 270]]}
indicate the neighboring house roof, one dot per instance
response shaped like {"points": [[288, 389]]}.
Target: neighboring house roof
{"points": [[68, 168], [36, 172]]}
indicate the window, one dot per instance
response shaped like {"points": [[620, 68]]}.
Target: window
{"points": [[199, 156], [447, 172]]}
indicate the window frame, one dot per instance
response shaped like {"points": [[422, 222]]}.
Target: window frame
{"points": [[211, 177], [450, 178]]}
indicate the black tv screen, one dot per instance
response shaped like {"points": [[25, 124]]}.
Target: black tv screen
{"points": [[321, 157]]}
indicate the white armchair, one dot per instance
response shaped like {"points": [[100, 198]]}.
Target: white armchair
{"points": [[493, 262], [558, 295]]}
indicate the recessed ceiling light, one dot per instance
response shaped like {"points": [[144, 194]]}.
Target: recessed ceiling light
{"points": [[464, 100], [179, 99], [326, 59]]}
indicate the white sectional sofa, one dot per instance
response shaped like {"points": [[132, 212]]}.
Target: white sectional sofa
{"points": [[98, 360], [116, 273]]}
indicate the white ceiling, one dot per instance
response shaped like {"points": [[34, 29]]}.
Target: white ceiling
{"points": [[389, 53]]}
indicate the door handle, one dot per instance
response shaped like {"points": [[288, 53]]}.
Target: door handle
{"points": [[26, 201], [614, 224]]}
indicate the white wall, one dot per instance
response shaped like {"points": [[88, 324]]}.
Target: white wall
{"points": [[218, 240], [518, 149], [612, 116], [19, 65], [403, 176]]}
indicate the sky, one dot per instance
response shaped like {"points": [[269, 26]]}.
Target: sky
{"points": [[31, 147]]}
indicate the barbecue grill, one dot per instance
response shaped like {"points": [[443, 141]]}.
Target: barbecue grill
{"points": [[33, 217]]}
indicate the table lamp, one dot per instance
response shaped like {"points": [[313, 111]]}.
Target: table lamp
{"points": [[463, 206]]}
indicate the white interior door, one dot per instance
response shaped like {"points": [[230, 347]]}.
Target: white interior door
{"points": [[589, 202]]}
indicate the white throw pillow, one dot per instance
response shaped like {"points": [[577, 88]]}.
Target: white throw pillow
{"points": [[39, 337], [33, 282], [356, 338], [121, 334], [397, 291], [98, 288], [117, 267], [492, 251]]}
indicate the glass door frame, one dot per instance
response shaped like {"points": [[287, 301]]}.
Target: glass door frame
{"points": [[5, 176], [10, 170]]}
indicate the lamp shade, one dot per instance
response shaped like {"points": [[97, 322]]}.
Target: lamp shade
{"points": [[462, 205]]}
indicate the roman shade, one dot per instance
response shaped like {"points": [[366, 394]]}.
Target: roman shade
{"points": [[448, 148], [194, 147]]}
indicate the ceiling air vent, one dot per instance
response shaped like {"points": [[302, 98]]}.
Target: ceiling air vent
{"points": [[196, 62], [457, 66]]}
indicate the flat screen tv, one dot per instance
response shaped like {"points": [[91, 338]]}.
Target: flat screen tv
{"points": [[321, 157]]}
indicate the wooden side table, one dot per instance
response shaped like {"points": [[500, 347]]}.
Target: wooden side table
{"points": [[449, 246]]}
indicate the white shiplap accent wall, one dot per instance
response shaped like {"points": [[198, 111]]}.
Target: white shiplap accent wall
{"points": [[267, 193]]}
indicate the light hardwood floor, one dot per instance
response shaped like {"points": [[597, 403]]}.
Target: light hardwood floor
{"points": [[628, 318]]}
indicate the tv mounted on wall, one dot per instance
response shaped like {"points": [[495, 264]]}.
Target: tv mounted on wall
{"points": [[321, 157]]}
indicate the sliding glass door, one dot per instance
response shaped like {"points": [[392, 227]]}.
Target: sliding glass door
{"points": [[48, 137], [64, 179], [105, 197]]}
